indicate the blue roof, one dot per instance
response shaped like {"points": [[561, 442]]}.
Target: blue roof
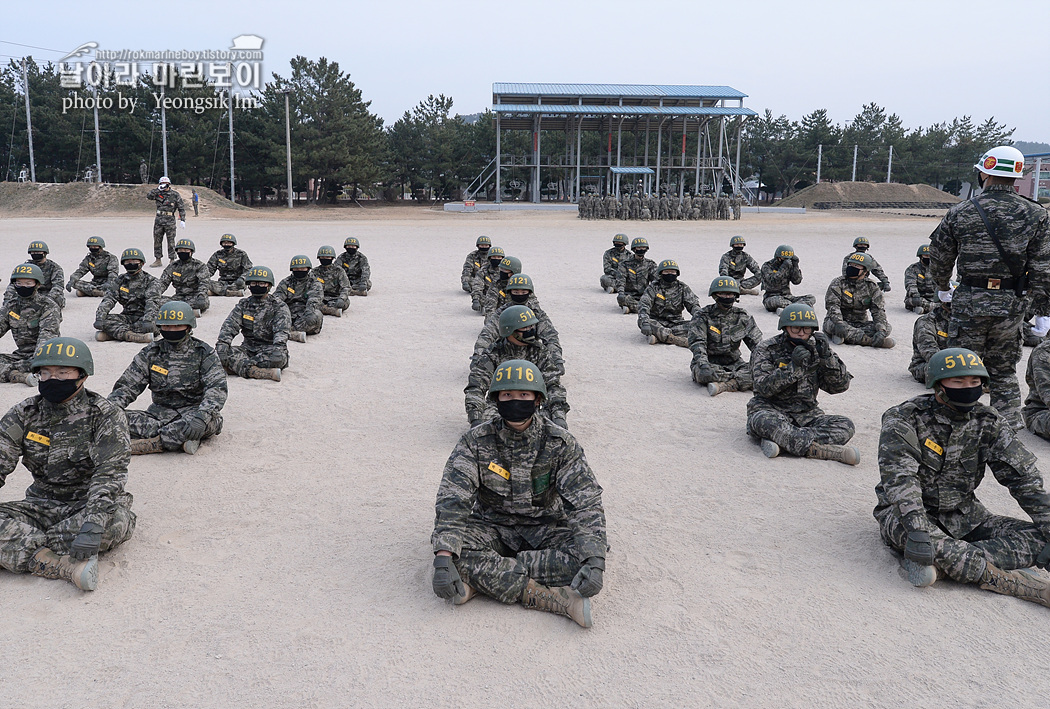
{"points": [[617, 90], [1037, 155], [550, 108], [632, 171]]}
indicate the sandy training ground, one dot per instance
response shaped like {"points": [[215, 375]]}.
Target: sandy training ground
{"points": [[288, 563]]}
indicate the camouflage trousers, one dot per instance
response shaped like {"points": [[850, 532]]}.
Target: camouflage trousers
{"points": [[738, 370], [13, 363], [116, 326], [163, 227], [307, 320], [238, 359], [1006, 542], [172, 425], [747, 283], [912, 302], [27, 525], [1038, 423], [773, 301], [336, 302], [998, 342], [631, 301], [195, 301], [360, 288], [89, 288], [221, 286], [499, 561], [918, 372], [607, 281], [852, 333], [677, 327], [796, 432]]}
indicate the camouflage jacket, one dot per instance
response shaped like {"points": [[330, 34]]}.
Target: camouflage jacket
{"points": [[474, 262], [737, 264], [104, 268], [180, 375], [356, 267], [189, 277], [484, 281], [77, 451], [231, 265], [665, 303], [876, 269], [635, 275], [544, 328], [932, 459], [715, 334], [535, 477], [1038, 378], [52, 287], [611, 260], [782, 385], [300, 294], [850, 300], [917, 282], [929, 335], [495, 298], [168, 202], [139, 293], [333, 280], [30, 321], [484, 365], [264, 322], [777, 276], [962, 242]]}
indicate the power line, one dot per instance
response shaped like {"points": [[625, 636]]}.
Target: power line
{"points": [[32, 46]]}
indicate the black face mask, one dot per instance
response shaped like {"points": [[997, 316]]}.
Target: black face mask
{"points": [[778, 262], [852, 271], [726, 303], [795, 341], [25, 291], [37, 256], [326, 261], [668, 277], [352, 250], [132, 267], [174, 335], [963, 399], [520, 299], [640, 253], [516, 410], [861, 248], [227, 247], [738, 248], [925, 260], [95, 250], [495, 262], [56, 390], [527, 335], [184, 255], [262, 289], [619, 247], [483, 249], [504, 276], [300, 274]]}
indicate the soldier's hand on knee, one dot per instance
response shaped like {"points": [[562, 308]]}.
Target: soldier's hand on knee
{"points": [[588, 580], [447, 583], [69, 285], [919, 547], [197, 426], [87, 542], [99, 323]]}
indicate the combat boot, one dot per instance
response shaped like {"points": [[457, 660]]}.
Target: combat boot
{"points": [[141, 337], [17, 377], [235, 292], [329, 310], [297, 335], [468, 593], [626, 310], [749, 291], [142, 446], [609, 289], [561, 600], [102, 336], [826, 451], [273, 373], [769, 448], [888, 343], [156, 264], [919, 575], [836, 340], [191, 447], [362, 293], [678, 340], [49, 565], [81, 294], [716, 388], [196, 312], [1024, 584]]}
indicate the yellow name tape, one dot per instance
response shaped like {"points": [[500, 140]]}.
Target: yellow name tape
{"points": [[248, 317], [933, 447], [632, 271], [922, 276], [848, 293], [320, 280], [942, 333], [176, 273], [290, 290], [157, 368], [15, 315], [714, 329], [221, 261], [38, 438], [124, 289], [502, 472], [661, 296], [91, 264]]}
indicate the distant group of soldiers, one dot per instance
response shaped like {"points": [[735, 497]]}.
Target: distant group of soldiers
{"points": [[665, 207]]}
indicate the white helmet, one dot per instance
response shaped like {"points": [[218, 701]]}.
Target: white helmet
{"points": [[165, 181], [1002, 161]]}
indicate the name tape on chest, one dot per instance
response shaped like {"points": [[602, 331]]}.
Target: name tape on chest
{"points": [[248, 317], [222, 262], [176, 273], [921, 276], [37, 438], [632, 271], [91, 264], [714, 329], [124, 289], [502, 472], [290, 290], [15, 315], [929, 443], [661, 296], [848, 293], [158, 369], [320, 280], [942, 333]]}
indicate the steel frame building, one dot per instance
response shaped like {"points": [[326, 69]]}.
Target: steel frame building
{"points": [[617, 109]]}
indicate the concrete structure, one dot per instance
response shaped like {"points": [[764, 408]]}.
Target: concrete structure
{"points": [[1040, 165]]}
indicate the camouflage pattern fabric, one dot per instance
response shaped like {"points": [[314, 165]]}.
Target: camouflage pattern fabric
{"points": [[514, 506], [265, 323], [475, 261], [185, 379], [190, 279], [78, 455], [53, 286], [611, 265], [544, 329], [1036, 411], [931, 460], [848, 303], [485, 279], [304, 297], [140, 296], [777, 276], [929, 336], [495, 298], [875, 270], [484, 365], [784, 408], [334, 284], [104, 270], [662, 304], [357, 271], [919, 289], [737, 264], [632, 279], [29, 320], [232, 266], [168, 202], [715, 335]]}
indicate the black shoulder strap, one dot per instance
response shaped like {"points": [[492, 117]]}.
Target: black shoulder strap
{"points": [[1016, 273]]}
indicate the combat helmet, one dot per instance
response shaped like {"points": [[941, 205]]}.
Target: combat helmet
{"points": [[28, 270], [669, 264], [798, 315], [63, 352], [639, 243], [96, 241], [784, 251], [326, 252], [510, 263], [228, 237], [620, 239], [185, 244], [351, 241], [38, 246], [737, 241], [132, 255], [260, 274], [517, 375], [483, 241], [175, 312], [955, 362], [923, 250], [300, 261], [724, 284], [519, 281], [861, 259], [496, 252], [514, 318], [1002, 161], [861, 241]]}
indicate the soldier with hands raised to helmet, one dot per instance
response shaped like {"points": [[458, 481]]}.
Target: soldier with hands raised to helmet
{"points": [[777, 275], [715, 334]]}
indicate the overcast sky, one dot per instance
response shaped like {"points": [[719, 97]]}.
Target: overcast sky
{"points": [[925, 60]]}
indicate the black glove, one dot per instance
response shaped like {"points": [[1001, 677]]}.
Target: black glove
{"points": [[705, 374], [794, 260], [69, 285], [877, 339], [821, 343], [802, 356], [475, 305], [885, 287], [588, 580], [142, 326], [919, 548], [560, 421], [447, 583], [86, 543], [1043, 560], [197, 427], [99, 323]]}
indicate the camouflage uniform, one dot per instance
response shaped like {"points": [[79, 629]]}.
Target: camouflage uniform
{"points": [[737, 264], [919, 289], [632, 279], [776, 282], [988, 321], [232, 265], [636, 207], [334, 284], [1036, 412], [661, 306], [53, 286], [545, 330], [514, 506], [104, 269], [483, 281], [932, 459], [303, 296], [611, 264], [474, 262], [77, 452], [357, 271], [929, 336], [139, 293], [168, 202], [875, 270], [848, 302], [186, 380], [784, 408], [30, 320], [265, 323], [495, 297], [715, 335], [484, 365], [190, 279]]}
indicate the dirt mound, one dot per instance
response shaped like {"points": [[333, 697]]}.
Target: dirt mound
{"points": [[88, 199], [869, 195]]}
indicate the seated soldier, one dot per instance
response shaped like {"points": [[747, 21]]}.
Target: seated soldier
{"points": [[334, 283], [101, 264], [547, 550], [634, 276], [787, 372], [355, 264], [928, 337], [1036, 411], [521, 291], [611, 262], [660, 308], [933, 452], [920, 293], [861, 246], [54, 277], [264, 321], [715, 335], [849, 300], [474, 262], [303, 296], [186, 381], [518, 340], [189, 276], [232, 265], [139, 293], [31, 318], [736, 262], [778, 274], [496, 296], [75, 445], [485, 277]]}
